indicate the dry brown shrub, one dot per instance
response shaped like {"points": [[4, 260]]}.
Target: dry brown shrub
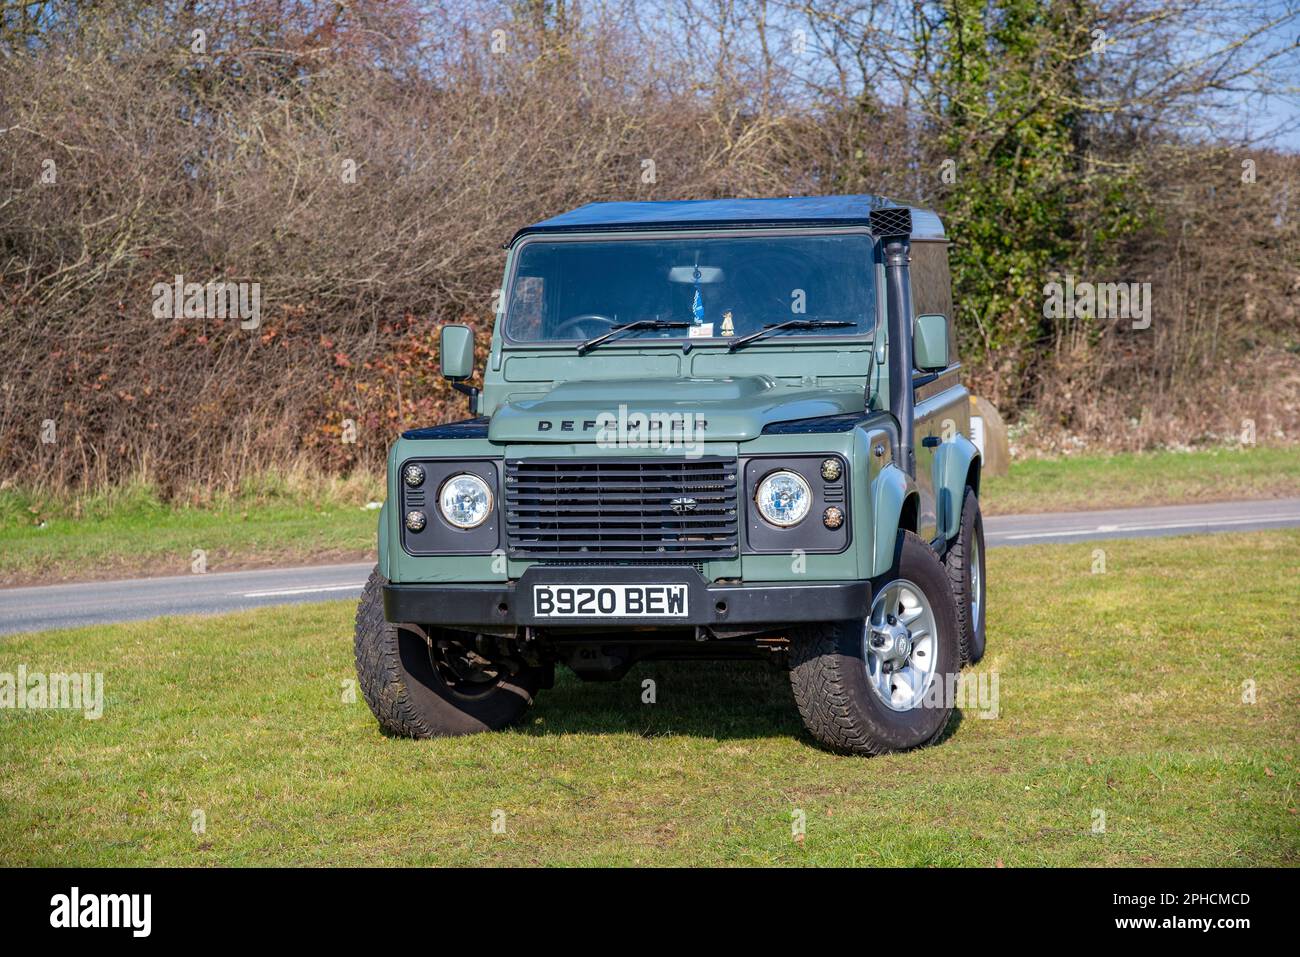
{"points": [[231, 166], [1222, 356], [234, 170]]}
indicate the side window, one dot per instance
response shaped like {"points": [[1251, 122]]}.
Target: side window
{"points": [[932, 287]]}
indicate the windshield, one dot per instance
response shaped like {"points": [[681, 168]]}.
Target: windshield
{"points": [[722, 287]]}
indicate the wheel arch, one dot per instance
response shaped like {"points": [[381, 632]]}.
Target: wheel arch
{"points": [[383, 542], [896, 505], [956, 465]]}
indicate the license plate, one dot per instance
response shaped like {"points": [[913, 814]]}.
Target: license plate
{"points": [[609, 601]]}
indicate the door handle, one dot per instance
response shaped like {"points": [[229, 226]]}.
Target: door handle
{"points": [[930, 441]]}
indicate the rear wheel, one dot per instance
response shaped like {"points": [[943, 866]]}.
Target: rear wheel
{"points": [[883, 683], [965, 564], [437, 683]]}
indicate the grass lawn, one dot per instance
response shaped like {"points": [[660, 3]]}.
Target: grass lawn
{"points": [[133, 545], [135, 534], [296, 523], [1080, 482], [1118, 693]]}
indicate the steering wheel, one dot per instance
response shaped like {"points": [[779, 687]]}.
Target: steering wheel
{"points": [[578, 320]]}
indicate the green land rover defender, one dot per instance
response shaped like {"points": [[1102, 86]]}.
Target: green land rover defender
{"points": [[707, 429]]}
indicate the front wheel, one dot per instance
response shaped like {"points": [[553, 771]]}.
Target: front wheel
{"points": [[885, 682], [436, 683]]}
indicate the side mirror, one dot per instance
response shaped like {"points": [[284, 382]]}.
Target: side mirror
{"points": [[456, 352], [930, 343], [456, 356]]}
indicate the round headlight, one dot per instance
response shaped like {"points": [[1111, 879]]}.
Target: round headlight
{"points": [[465, 500], [783, 498]]}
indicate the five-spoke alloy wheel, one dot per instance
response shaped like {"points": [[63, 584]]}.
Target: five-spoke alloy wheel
{"points": [[886, 681], [900, 645]]}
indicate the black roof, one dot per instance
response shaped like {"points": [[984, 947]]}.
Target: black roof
{"points": [[704, 213]]}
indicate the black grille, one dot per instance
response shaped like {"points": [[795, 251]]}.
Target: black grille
{"points": [[621, 508]]}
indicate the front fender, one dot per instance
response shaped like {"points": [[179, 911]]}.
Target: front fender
{"points": [[400, 567], [890, 490], [952, 464], [383, 541]]}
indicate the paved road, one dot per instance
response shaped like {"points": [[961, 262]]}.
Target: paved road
{"points": [[1136, 522], [66, 606]]}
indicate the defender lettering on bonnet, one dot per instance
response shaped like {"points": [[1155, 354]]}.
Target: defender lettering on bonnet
{"points": [[701, 434], [652, 424]]}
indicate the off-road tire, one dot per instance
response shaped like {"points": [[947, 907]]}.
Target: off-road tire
{"points": [[407, 694], [957, 561], [828, 669]]}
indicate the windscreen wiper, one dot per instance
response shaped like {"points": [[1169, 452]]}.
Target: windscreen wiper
{"points": [[788, 324], [585, 347]]}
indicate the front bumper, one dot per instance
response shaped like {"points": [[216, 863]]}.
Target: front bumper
{"points": [[507, 604]]}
